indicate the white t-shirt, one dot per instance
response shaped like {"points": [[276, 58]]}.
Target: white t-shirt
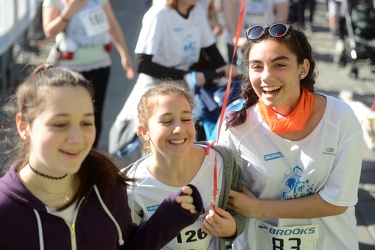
{"points": [[148, 193], [328, 162], [86, 58], [173, 40], [67, 214]]}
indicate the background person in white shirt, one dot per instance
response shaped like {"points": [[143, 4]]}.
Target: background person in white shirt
{"points": [[210, 6], [175, 42]]}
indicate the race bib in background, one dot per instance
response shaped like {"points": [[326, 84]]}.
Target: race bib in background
{"points": [[94, 21]]}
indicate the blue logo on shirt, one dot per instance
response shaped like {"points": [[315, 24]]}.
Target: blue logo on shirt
{"points": [[296, 187], [152, 208], [273, 156], [177, 29]]}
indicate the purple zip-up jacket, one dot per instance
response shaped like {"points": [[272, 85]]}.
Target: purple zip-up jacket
{"points": [[26, 224]]}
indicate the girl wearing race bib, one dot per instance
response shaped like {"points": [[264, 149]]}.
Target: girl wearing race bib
{"points": [[59, 193], [300, 151], [84, 30], [167, 130]]}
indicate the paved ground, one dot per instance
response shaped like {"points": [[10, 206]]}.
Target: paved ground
{"points": [[331, 80]]}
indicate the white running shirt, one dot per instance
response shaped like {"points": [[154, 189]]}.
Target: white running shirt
{"points": [[148, 194], [174, 41], [328, 162]]}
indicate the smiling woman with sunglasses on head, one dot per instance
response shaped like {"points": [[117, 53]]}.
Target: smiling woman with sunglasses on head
{"points": [[300, 151]]}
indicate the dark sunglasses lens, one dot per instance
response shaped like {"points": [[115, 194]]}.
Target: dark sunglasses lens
{"points": [[278, 30], [255, 32]]}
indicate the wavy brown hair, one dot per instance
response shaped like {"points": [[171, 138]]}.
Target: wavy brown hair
{"points": [[297, 42]]}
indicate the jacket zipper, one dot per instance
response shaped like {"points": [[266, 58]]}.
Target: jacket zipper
{"points": [[73, 227]]}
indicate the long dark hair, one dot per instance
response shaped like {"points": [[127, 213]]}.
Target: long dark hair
{"points": [[97, 168], [297, 42]]}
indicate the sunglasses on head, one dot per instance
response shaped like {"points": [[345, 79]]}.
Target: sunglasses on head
{"points": [[275, 30]]}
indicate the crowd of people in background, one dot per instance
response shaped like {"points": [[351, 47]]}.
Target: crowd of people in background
{"points": [[291, 10]]}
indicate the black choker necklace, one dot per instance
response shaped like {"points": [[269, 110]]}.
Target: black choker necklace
{"points": [[46, 176]]}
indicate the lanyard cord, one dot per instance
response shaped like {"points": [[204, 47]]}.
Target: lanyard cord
{"points": [[239, 28]]}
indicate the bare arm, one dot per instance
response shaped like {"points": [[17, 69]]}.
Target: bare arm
{"points": [[312, 206], [55, 21], [231, 14], [231, 11], [118, 39], [282, 12], [214, 21]]}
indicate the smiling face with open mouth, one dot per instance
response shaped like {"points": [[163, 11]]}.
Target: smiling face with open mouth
{"points": [[63, 131], [171, 126], [275, 75]]}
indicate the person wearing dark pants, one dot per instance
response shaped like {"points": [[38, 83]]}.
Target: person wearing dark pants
{"points": [[99, 79], [85, 46]]}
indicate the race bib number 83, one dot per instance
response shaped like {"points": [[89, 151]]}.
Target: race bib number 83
{"points": [[286, 238]]}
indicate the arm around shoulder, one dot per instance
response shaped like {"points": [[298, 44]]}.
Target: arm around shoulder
{"points": [[233, 175], [237, 186]]}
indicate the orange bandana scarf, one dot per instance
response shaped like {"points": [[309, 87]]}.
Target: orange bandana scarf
{"points": [[293, 122]]}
